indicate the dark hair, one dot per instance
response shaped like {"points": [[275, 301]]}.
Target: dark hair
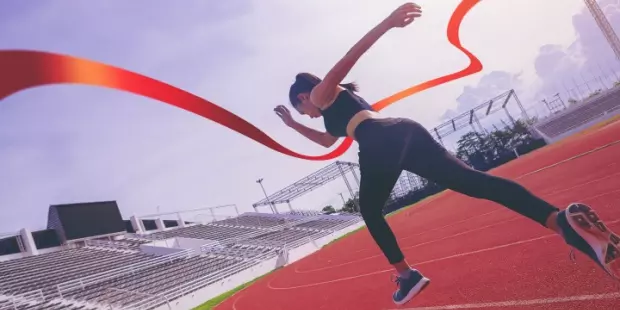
{"points": [[305, 82]]}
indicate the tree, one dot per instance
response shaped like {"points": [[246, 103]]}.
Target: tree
{"points": [[473, 148], [486, 151], [349, 206], [594, 93], [329, 210]]}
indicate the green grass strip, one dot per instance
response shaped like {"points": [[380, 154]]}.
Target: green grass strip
{"points": [[212, 303]]}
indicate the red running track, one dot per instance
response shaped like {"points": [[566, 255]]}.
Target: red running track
{"points": [[476, 253]]}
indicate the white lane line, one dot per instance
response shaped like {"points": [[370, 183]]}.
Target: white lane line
{"points": [[409, 247], [416, 264], [420, 263], [517, 303], [570, 158], [297, 270], [425, 232]]}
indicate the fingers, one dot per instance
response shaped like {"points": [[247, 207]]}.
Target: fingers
{"points": [[282, 109], [282, 112], [410, 6], [407, 13], [410, 10]]}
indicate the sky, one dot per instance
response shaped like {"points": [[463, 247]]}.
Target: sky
{"points": [[69, 143]]}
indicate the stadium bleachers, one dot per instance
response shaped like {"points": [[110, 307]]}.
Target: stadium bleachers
{"points": [[152, 281], [580, 114], [250, 220], [326, 224], [116, 272], [46, 271], [208, 232]]}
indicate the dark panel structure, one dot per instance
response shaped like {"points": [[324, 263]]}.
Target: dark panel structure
{"points": [[149, 225], [171, 223], [47, 238], [129, 227], [84, 220], [9, 245]]}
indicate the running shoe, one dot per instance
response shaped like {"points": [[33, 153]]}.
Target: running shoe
{"points": [[409, 287], [582, 229]]}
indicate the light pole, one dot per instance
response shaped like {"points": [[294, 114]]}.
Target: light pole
{"points": [[260, 182], [343, 201]]}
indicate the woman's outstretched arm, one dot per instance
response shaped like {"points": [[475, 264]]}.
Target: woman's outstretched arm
{"points": [[324, 93], [321, 138]]}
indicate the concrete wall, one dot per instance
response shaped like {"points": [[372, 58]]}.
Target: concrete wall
{"points": [[166, 243], [195, 244], [301, 252], [157, 250]]}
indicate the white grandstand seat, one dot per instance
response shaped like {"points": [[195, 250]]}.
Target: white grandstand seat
{"points": [[108, 272], [580, 114]]}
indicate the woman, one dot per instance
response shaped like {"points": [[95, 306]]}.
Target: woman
{"points": [[389, 145]]}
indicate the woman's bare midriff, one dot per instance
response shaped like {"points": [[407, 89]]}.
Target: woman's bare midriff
{"points": [[358, 118]]}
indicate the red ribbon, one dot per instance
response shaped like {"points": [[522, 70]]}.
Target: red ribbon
{"points": [[20, 69]]}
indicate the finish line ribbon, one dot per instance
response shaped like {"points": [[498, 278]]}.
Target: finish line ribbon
{"points": [[22, 69]]}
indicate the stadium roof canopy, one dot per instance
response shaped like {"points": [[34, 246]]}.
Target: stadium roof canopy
{"points": [[311, 182]]}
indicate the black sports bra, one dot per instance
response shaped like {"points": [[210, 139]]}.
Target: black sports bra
{"points": [[339, 113]]}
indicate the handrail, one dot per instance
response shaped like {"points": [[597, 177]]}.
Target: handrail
{"points": [[343, 225], [115, 245], [17, 300], [193, 285], [81, 283], [207, 279], [150, 297], [149, 237]]}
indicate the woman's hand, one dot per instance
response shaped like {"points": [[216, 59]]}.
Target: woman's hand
{"points": [[403, 15], [285, 115]]}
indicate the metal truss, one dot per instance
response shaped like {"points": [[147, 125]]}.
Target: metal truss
{"points": [[311, 182], [472, 117]]}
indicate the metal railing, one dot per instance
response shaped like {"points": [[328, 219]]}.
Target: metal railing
{"points": [[274, 247], [154, 300], [82, 283], [25, 299], [110, 244], [344, 225], [151, 300], [194, 285], [150, 237]]}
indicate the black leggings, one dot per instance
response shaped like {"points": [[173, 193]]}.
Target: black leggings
{"points": [[389, 146]]}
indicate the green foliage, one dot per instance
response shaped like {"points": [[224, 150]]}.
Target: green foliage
{"points": [[484, 151], [349, 206], [211, 304], [329, 210], [594, 93]]}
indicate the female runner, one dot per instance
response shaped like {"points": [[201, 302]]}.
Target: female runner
{"points": [[389, 145]]}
